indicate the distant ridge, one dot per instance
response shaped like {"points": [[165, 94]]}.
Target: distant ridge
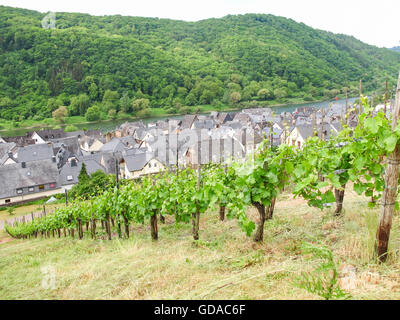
{"points": [[109, 61]]}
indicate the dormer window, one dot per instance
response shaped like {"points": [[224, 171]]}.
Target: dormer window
{"points": [[19, 191]]}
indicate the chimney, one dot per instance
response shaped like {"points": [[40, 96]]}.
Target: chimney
{"points": [[23, 164], [10, 154], [54, 159]]}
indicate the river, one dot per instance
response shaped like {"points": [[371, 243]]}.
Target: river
{"points": [[106, 126]]}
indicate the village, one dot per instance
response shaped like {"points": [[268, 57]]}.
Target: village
{"points": [[47, 162]]}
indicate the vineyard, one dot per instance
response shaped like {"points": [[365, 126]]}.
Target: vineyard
{"points": [[318, 173]]}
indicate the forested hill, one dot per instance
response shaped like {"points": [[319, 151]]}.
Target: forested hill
{"points": [[129, 63]]}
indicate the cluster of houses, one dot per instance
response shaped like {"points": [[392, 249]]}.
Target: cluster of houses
{"points": [[47, 162]]}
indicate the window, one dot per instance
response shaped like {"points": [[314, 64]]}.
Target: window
{"points": [[31, 189], [7, 201], [52, 185], [41, 187], [19, 191], [155, 165], [69, 178]]}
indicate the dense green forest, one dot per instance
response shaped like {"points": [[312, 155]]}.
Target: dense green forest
{"points": [[113, 65]]}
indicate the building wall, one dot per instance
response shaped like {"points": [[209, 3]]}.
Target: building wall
{"points": [[295, 139], [9, 161], [37, 138], [31, 196], [152, 167], [96, 146]]}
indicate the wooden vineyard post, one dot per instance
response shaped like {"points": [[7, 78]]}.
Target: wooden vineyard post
{"points": [[196, 215], [271, 139], [153, 225], [117, 184], [322, 131], [93, 221], [162, 218], [126, 224], [339, 195], [221, 208], [386, 92], [80, 231], [221, 213], [271, 209], [390, 192], [108, 225]]}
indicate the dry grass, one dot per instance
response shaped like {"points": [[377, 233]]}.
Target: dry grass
{"points": [[224, 264]]}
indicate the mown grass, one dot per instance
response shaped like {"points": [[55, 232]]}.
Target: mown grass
{"points": [[223, 264]]}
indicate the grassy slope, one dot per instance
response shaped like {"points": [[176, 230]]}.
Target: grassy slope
{"points": [[224, 264]]}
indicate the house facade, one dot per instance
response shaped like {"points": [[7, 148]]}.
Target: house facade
{"points": [[28, 180]]}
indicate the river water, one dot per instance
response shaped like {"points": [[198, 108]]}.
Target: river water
{"points": [[106, 126]]}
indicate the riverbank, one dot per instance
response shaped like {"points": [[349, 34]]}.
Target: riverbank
{"points": [[11, 128]]}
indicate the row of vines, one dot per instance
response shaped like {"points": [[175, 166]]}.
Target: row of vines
{"points": [[319, 172]]}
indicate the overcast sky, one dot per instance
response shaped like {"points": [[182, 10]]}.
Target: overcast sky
{"points": [[373, 21]]}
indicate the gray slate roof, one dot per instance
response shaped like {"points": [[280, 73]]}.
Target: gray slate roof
{"points": [[115, 145], [20, 141], [188, 121], [73, 171], [35, 152], [13, 176], [5, 148], [136, 162], [51, 134]]}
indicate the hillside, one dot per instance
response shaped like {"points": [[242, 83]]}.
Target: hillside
{"points": [[395, 49], [225, 264], [111, 61]]}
